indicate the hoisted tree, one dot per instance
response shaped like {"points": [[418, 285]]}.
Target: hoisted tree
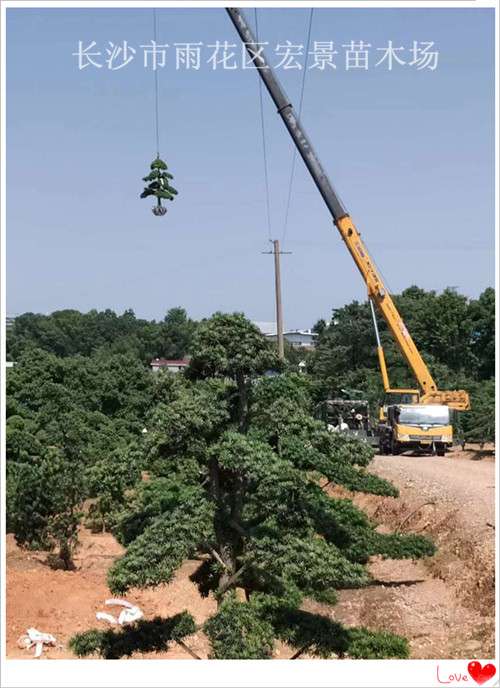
{"points": [[159, 185], [236, 463]]}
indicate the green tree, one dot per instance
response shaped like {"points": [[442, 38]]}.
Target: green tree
{"points": [[176, 334], [45, 506], [455, 336], [478, 425], [482, 314], [235, 462], [230, 346], [440, 324], [71, 333], [84, 415], [159, 184], [108, 479]]}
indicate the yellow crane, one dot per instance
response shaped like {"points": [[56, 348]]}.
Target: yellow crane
{"points": [[379, 295], [434, 430]]}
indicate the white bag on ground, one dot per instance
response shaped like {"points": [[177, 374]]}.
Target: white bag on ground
{"points": [[128, 615], [35, 638]]}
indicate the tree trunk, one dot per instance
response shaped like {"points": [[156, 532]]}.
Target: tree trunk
{"points": [[65, 556], [223, 547]]}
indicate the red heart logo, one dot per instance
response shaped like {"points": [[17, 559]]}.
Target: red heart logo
{"points": [[481, 674]]}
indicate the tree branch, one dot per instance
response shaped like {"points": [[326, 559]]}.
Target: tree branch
{"points": [[227, 584], [239, 529], [188, 649], [412, 513], [217, 556], [301, 651]]}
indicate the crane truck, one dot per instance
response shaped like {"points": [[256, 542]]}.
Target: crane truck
{"points": [[412, 418]]}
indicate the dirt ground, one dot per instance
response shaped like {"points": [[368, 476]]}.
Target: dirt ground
{"points": [[443, 605]]}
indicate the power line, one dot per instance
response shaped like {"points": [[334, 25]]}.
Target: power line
{"points": [[264, 148], [157, 106], [294, 157]]}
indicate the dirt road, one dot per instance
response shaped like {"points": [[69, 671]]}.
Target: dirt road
{"points": [[444, 605], [469, 485]]}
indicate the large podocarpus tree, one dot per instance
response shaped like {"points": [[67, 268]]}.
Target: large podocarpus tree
{"points": [[237, 465]]}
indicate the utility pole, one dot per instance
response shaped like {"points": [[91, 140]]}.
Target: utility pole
{"points": [[277, 286]]}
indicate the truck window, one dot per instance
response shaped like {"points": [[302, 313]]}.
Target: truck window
{"points": [[424, 415]]}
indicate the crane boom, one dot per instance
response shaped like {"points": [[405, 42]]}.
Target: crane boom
{"points": [[377, 291]]}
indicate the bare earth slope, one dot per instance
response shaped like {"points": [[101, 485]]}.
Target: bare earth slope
{"points": [[445, 604]]}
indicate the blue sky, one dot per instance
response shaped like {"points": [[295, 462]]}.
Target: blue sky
{"points": [[411, 153]]}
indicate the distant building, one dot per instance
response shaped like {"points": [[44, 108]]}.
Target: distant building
{"points": [[266, 328], [299, 339], [172, 365], [9, 323]]}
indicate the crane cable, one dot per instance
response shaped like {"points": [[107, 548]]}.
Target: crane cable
{"points": [[294, 157], [157, 105], [264, 147]]}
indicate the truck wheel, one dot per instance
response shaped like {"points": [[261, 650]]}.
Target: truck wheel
{"points": [[440, 451], [395, 450]]}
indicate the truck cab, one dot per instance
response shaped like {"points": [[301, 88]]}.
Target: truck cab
{"points": [[420, 427], [394, 397]]}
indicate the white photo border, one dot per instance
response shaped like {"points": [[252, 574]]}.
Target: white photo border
{"points": [[228, 673]]}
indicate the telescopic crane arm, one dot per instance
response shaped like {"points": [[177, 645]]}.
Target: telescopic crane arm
{"points": [[376, 290]]}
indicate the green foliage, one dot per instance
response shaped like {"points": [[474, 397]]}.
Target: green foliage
{"points": [[362, 481], [312, 565], [482, 314], [441, 324], [234, 461], [242, 457], [230, 346], [155, 554], [194, 415], [323, 637], [71, 333], [288, 427], [30, 503], [247, 631], [159, 182], [366, 644], [143, 636], [293, 387], [176, 332], [342, 523], [454, 334], [151, 500], [158, 164], [398, 546], [74, 429], [478, 425], [108, 480], [44, 509], [21, 438], [222, 463], [236, 631]]}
